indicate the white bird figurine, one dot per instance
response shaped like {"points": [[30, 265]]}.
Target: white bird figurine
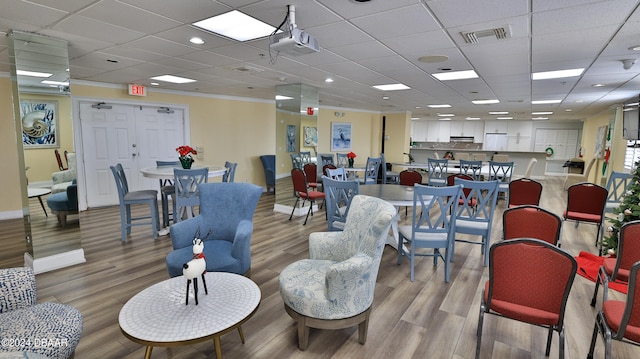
{"points": [[194, 268]]}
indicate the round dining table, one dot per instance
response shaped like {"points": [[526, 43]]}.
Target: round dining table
{"points": [[397, 195]]}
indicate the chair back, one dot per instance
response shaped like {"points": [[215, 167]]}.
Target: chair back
{"points": [[338, 174], [530, 167], [432, 208], [586, 198], [631, 314], [529, 275], [342, 160], [339, 195], [326, 159], [61, 167], [167, 181], [311, 171], [186, 182], [500, 171], [121, 181], [326, 168], [230, 174], [471, 168], [587, 170], [296, 162], [299, 179], [617, 185], [371, 170], [628, 250], [524, 191], [451, 181], [500, 158], [479, 203], [305, 157], [269, 166], [531, 222], [410, 177], [437, 171]]}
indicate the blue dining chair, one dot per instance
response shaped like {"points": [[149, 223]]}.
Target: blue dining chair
{"points": [[371, 170], [338, 196], [127, 198], [474, 216], [187, 196], [342, 160], [167, 189], [502, 172], [338, 174], [437, 175], [471, 168], [230, 175], [617, 185]]}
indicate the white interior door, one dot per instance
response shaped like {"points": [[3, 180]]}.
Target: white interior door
{"points": [[134, 136]]}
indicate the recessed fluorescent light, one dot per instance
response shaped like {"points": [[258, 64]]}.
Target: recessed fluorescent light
{"points": [[568, 110], [33, 73], [392, 87], [56, 83], [539, 118], [598, 85], [472, 118], [281, 97], [456, 75], [504, 118], [328, 80], [556, 74], [485, 102], [196, 40], [544, 102], [385, 97], [439, 106], [444, 119], [542, 113], [446, 115], [154, 84], [173, 79], [498, 112], [236, 25], [415, 118]]}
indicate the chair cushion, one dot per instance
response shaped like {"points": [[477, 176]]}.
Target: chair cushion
{"points": [[141, 195], [54, 329], [60, 202], [609, 264], [613, 310], [585, 217], [217, 254], [520, 312]]}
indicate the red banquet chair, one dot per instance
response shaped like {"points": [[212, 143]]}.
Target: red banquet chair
{"points": [[618, 268], [585, 203], [619, 320], [529, 281], [524, 191], [301, 191], [531, 222]]}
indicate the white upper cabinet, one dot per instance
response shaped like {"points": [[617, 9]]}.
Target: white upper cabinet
{"points": [[495, 127], [519, 135], [419, 131]]}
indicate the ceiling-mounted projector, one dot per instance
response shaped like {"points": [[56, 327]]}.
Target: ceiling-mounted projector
{"points": [[293, 41]]}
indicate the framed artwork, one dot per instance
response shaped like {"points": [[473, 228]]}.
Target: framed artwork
{"points": [[601, 141], [39, 124], [340, 136], [310, 136], [291, 138]]}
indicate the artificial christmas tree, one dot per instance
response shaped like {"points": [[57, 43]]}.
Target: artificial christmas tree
{"points": [[628, 211]]}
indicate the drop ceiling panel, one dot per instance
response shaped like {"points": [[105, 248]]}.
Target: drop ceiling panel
{"points": [[339, 34], [470, 12], [129, 17], [160, 46], [586, 16], [99, 30], [363, 50], [385, 25], [21, 12], [195, 11]]}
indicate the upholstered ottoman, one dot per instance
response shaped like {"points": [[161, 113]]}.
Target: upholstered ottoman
{"points": [[49, 329]]}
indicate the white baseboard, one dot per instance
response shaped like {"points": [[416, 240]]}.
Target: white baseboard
{"points": [[56, 261], [298, 212], [11, 215]]}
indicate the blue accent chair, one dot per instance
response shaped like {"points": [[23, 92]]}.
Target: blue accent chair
{"points": [[269, 165], [64, 203], [225, 224]]}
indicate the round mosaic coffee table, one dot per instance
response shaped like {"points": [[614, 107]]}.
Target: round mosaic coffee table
{"points": [[158, 316]]}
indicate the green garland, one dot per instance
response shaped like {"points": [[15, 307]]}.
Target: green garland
{"points": [[628, 211]]}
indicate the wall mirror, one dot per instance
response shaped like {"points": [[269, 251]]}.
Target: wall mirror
{"points": [[43, 114], [296, 131]]}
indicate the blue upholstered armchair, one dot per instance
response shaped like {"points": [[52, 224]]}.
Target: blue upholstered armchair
{"points": [[269, 164], [225, 224], [30, 323], [334, 288]]}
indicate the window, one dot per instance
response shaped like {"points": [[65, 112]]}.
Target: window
{"points": [[632, 155]]}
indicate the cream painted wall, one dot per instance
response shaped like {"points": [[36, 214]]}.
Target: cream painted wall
{"points": [[366, 129], [398, 131], [589, 134], [228, 129]]}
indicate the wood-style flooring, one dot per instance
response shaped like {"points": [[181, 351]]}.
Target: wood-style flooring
{"points": [[427, 318]]}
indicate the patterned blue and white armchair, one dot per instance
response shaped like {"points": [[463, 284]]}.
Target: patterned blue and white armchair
{"points": [[52, 330], [334, 288]]}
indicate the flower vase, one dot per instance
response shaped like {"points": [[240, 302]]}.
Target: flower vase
{"points": [[186, 162], [350, 162]]}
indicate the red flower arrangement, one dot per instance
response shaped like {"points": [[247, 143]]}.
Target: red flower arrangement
{"points": [[186, 150], [351, 155]]}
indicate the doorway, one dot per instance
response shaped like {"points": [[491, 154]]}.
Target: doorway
{"points": [[134, 135]]}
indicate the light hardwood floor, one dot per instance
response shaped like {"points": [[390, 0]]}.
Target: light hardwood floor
{"points": [[426, 318]]}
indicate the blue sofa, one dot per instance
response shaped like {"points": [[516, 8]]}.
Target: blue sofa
{"points": [[225, 224]]}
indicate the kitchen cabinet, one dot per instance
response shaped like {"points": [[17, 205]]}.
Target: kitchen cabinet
{"points": [[438, 131], [419, 131], [495, 127], [519, 135]]}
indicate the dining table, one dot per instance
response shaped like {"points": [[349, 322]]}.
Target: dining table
{"points": [[398, 196], [166, 172]]}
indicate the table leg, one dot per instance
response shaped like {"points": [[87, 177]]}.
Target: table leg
{"points": [[218, 346], [241, 334], [42, 205], [147, 353]]}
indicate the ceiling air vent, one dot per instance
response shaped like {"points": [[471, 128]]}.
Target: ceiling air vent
{"points": [[499, 33]]}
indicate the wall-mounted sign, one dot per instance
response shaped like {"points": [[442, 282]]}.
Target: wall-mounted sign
{"points": [[137, 90]]}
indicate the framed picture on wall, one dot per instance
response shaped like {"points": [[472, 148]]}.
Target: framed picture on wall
{"points": [[291, 138], [39, 123], [340, 136], [310, 136]]}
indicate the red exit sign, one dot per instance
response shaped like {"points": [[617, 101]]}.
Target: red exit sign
{"points": [[137, 90]]}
